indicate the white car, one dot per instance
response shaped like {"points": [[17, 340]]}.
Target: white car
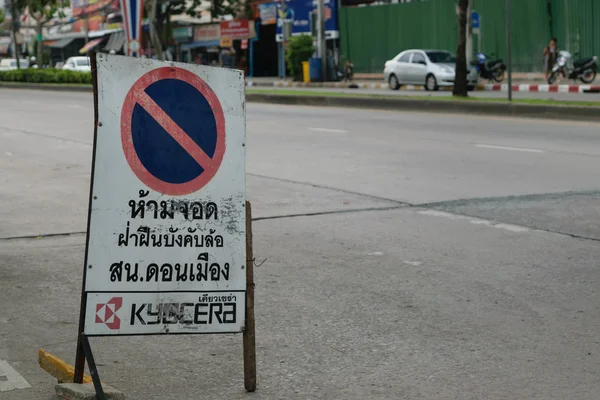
{"points": [[81, 64], [8, 64], [430, 68]]}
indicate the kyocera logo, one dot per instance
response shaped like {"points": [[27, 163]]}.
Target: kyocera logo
{"points": [[106, 313], [183, 313]]}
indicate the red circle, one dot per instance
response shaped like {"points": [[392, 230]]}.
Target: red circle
{"points": [[174, 189]]}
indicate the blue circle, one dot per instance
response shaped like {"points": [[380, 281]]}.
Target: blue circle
{"points": [[160, 154]]}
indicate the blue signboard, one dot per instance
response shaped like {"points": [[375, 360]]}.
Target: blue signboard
{"points": [[299, 13], [475, 20]]}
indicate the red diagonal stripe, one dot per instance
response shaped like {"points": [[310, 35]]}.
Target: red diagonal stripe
{"points": [[174, 130]]}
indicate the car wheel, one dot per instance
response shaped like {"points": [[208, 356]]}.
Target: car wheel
{"points": [[393, 81], [470, 88], [431, 83]]}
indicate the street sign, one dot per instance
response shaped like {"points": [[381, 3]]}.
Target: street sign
{"points": [[166, 247], [475, 20]]}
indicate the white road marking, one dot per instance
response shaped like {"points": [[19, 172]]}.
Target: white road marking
{"points": [[328, 130], [512, 228], [413, 263], [522, 149], [10, 379], [476, 221]]}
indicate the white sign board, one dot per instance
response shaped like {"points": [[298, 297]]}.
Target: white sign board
{"points": [[166, 236]]}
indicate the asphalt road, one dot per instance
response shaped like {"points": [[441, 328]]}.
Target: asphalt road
{"points": [[595, 97], [406, 256]]}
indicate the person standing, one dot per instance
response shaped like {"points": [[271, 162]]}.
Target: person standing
{"points": [[348, 71], [550, 55]]}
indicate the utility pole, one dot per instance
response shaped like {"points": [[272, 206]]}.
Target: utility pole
{"points": [[321, 39], [508, 55]]}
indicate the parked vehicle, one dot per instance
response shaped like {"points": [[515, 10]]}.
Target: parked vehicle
{"points": [[431, 68], [9, 64], [491, 70], [81, 64], [584, 69]]}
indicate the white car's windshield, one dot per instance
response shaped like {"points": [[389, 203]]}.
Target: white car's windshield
{"points": [[441, 57], [24, 63], [83, 63]]}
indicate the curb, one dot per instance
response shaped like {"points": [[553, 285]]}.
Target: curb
{"points": [[576, 113], [54, 88], [59, 369], [533, 88], [495, 87]]}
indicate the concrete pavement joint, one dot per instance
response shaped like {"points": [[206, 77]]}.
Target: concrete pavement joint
{"points": [[506, 226], [45, 135], [356, 210], [399, 202], [533, 197], [42, 236]]}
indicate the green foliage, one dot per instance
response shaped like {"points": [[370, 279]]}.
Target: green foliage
{"points": [[299, 49], [49, 75], [219, 8], [2, 15], [44, 10]]}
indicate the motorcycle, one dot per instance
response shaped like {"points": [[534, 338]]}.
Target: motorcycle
{"points": [[584, 69], [490, 70]]}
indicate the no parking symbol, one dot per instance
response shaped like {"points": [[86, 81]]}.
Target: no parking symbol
{"points": [[173, 131]]}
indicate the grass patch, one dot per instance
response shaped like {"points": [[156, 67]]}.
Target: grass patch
{"points": [[292, 92], [46, 85]]}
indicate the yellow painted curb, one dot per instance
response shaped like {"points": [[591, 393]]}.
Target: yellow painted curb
{"points": [[58, 368]]}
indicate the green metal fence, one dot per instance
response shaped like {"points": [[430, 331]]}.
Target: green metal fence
{"points": [[372, 35]]}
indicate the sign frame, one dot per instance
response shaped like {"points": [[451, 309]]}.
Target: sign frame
{"points": [[248, 324]]}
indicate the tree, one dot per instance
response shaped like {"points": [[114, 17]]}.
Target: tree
{"points": [[460, 79], [2, 15], [151, 7], [16, 9], [42, 11], [159, 14]]}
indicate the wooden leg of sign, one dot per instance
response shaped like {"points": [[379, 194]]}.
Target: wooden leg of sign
{"points": [[250, 331]]}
